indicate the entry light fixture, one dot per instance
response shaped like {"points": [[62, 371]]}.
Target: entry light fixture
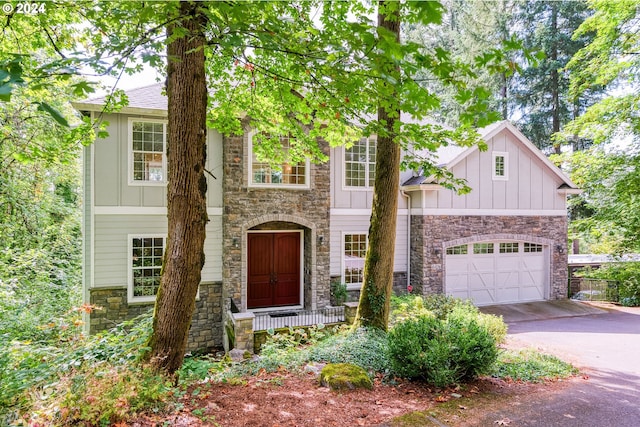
{"points": [[320, 240], [235, 242]]}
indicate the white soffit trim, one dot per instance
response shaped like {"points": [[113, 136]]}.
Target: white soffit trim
{"points": [[423, 187], [487, 212], [570, 191], [98, 108], [134, 210]]}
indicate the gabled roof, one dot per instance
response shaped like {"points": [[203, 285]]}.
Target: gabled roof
{"points": [[448, 157], [148, 100]]}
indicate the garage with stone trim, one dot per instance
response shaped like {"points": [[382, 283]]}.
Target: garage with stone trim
{"points": [[497, 272]]}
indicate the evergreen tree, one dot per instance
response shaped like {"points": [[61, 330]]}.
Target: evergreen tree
{"points": [[541, 93]]}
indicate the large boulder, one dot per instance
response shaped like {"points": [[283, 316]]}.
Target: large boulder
{"points": [[344, 376]]}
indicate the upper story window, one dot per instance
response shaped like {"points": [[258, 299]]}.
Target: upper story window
{"points": [[360, 164], [265, 174], [500, 166], [145, 265], [147, 148]]}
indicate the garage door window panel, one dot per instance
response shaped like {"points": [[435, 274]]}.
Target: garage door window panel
{"points": [[532, 247], [509, 247], [482, 248], [497, 272], [458, 250]]}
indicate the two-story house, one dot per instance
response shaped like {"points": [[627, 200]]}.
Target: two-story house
{"points": [[278, 236]]}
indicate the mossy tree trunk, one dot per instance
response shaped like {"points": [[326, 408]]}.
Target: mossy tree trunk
{"points": [[186, 189], [373, 308]]}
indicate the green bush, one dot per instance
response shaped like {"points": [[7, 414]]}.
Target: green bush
{"points": [[31, 373], [443, 351], [441, 306], [338, 293]]}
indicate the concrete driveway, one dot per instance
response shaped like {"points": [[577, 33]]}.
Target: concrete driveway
{"points": [[603, 341]]}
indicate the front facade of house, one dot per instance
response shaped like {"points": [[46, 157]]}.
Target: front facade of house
{"points": [[278, 236]]}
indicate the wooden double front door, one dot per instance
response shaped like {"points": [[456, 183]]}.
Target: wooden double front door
{"points": [[273, 269]]}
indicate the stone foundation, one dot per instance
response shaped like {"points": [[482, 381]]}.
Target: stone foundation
{"points": [[206, 324]]}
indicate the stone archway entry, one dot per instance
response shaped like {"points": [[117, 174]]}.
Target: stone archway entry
{"points": [[274, 269]]}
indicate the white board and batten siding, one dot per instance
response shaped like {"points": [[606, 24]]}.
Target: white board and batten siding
{"points": [[530, 186]]}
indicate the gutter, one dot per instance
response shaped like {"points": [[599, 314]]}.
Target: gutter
{"points": [[408, 196]]}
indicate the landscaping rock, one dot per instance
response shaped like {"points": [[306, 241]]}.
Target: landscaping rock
{"points": [[344, 376]]}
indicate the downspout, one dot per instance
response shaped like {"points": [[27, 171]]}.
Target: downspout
{"points": [[405, 194]]}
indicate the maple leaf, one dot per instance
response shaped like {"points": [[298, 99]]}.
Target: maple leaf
{"points": [[503, 422]]}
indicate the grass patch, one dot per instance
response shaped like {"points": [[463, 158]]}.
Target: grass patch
{"points": [[530, 366]]}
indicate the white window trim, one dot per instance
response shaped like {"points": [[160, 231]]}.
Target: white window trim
{"points": [[133, 182], [350, 286], [366, 187], [130, 237], [251, 184], [505, 156]]}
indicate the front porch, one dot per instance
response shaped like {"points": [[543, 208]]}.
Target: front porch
{"points": [[246, 331]]}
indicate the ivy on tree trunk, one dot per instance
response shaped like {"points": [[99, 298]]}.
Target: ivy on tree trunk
{"points": [[373, 309], [186, 189]]}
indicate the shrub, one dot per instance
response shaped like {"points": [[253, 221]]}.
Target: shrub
{"points": [[441, 306], [338, 293], [100, 395], [442, 351], [31, 373]]}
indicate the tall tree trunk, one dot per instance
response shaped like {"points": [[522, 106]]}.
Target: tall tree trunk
{"points": [[555, 79], [187, 210], [373, 309]]}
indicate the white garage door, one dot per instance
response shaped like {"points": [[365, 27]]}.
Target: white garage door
{"points": [[497, 272]]}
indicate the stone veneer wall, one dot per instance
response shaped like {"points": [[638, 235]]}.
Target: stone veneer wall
{"points": [[430, 233], [248, 208], [206, 324]]}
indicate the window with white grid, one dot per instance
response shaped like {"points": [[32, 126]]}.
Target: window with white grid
{"points": [[355, 249], [458, 250], [483, 248], [532, 247], [146, 264], [148, 145], [360, 163], [509, 247], [500, 166], [265, 173]]}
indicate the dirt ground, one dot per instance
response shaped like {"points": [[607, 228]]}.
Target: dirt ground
{"points": [[286, 399]]}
